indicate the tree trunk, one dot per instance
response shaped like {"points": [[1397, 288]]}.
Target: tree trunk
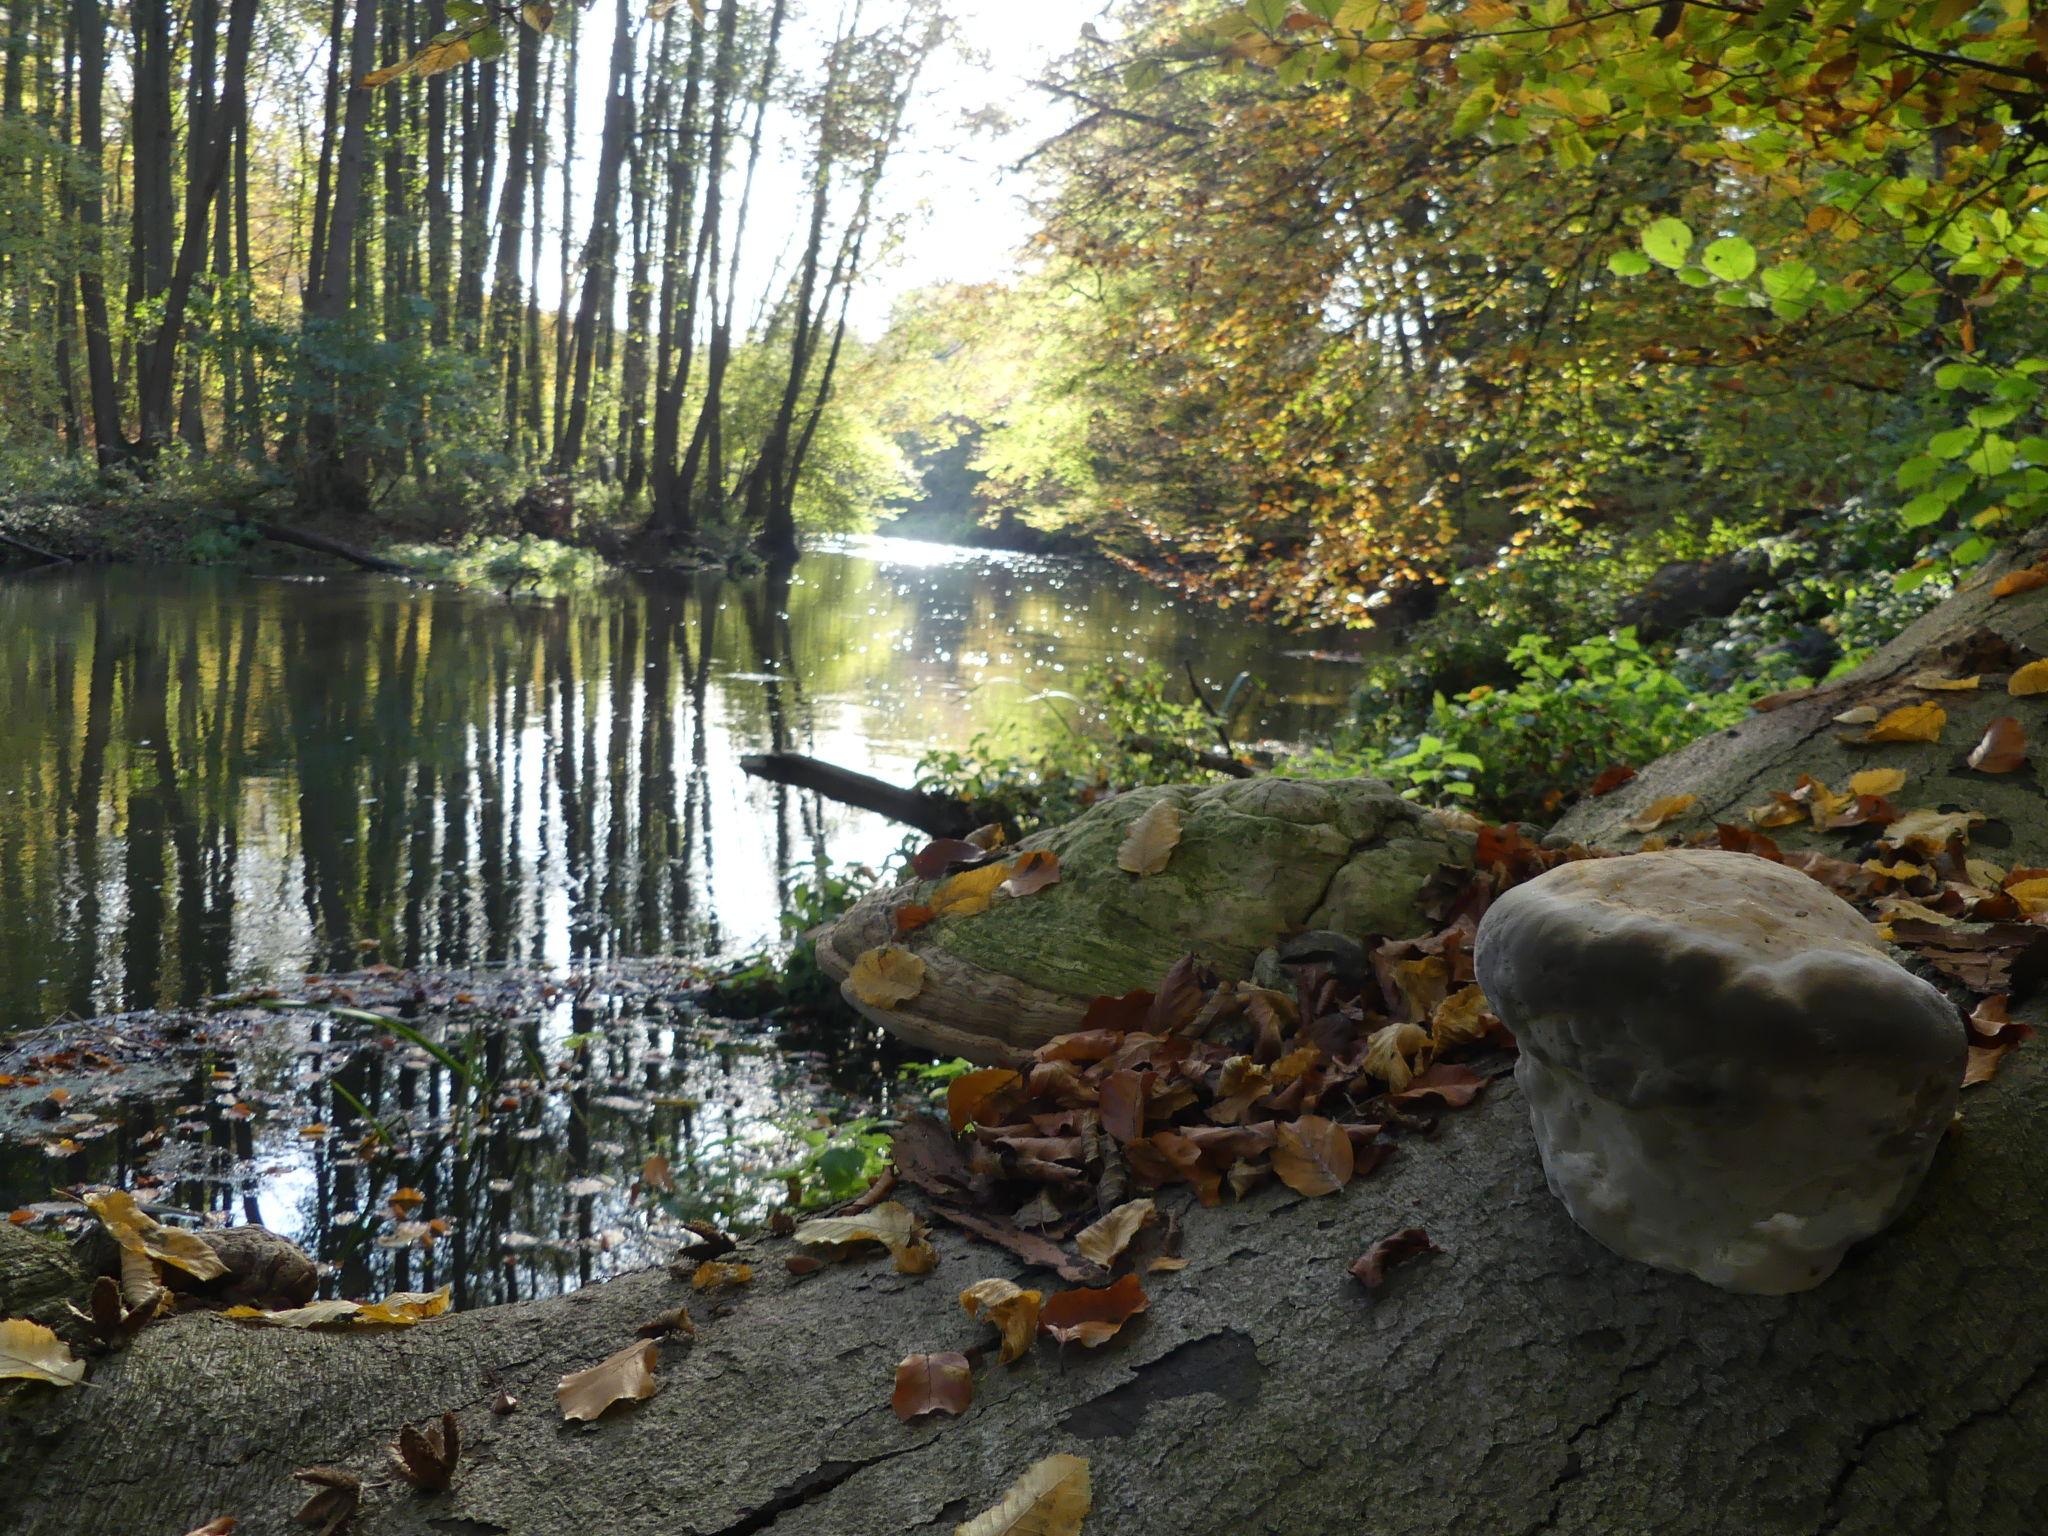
{"points": [[90, 26]]}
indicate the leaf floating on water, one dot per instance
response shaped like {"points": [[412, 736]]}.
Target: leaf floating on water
{"points": [[1050, 1499], [1011, 1308], [31, 1352], [892, 1224], [626, 1377], [139, 1232], [1909, 722], [2028, 681], [884, 977], [2003, 749], [1312, 1156], [1934, 682], [1033, 872], [1103, 1242], [1148, 846], [1370, 1268], [1090, 1315], [1877, 781], [932, 1384], [1657, 812]]}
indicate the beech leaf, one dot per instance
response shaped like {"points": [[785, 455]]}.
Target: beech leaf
{"points": [[2012, 583], [1104, 1241], [1148, 845], [2003, 749], [1370, 1268], [1011, 1308], [1934, 682], [1092, 1315], [932, 1384], [970, 891], [892, 1224], [31, 1352], [969, 1093], [884, 977], [401, 1309], [1312, 1156], [1909, 722], [1877, 781], [139, 1232], [1050, 1499], [1657, 812], [626, 1377], [1388, 1053], [2029, 680], [1033, 872]]}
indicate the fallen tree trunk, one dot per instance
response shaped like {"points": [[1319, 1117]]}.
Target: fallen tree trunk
{"points": [[33, 551], [1523, 1380], [935, 815], [320, 543]]}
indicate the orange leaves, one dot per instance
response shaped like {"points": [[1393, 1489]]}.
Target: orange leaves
{"points": [[884, 977], [714, 1273], [2029, 681], [1090, 1315], [2013, 583], [1012, 1309], [1103, 1242], [1907, 723], [941, 1383], [969, 892], [892, 1224], [1312, 1156], [910, 917], [2003, 749], [969, 1094], [1032, 872], [1657, 812]]}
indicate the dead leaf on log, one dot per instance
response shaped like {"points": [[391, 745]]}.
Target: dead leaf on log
{"points": [[910, 917], [139, 1232], [1390, 1051], [1011, 1308], [1877, 781], [2003, 749], [2028, 681], [1312, 1156], [969, 1094], [892, 1224], [969, 893], [1934, 682], [337, 1495], [31, 1352], [401, 1309], [1907, 723], [924, 1153], [1050, 1499], [626, 1377], [426, 1458], [941, 1383], [886, 976], [1612, 778], [1148, 846], [1657, 812], [1103, 1242], [1462, 1017], [1929, 831], [945, 855], [1449, 1083], [1091, 1316], [1984, 1062], [1033, 872], [674, 1320], [220, 1525], [1997, 957], [1028, 1246], [1118, 1015], [1181, 994], [713, 1273], [2012, 583], [1370, 1268], [1122, 1103]]}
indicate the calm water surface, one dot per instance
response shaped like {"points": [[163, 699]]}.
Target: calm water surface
{"points": [[211, 781]]}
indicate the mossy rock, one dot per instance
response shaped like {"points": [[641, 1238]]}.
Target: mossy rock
{"points": [[1258, 859]]}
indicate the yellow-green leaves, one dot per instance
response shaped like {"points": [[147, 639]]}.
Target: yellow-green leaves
{"points": [[477, 38], [1667, 242]]}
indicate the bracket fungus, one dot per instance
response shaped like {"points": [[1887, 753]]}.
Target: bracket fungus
{"points": [[1727, 1074]]}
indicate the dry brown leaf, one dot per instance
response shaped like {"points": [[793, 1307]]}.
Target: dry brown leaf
{"points": [[1985, 1061], [1862, 714], [1103, 1242], [1877, 781], [1909, 722], [1370, 1268], [427, 1458], [1148, 845], [941, 1383], [1781, 810], [969, 1093], [1091, 1315], [1929, 831], [892, 1224], [1934, 682], [219, 1525], [31, 1352], [2032, 895], [970, 891], [1389, 1053], [1312, 1156], [626, 1377], [713, 1273], [886, 976], [1011, 1308], [1033, 872], [1462, 1016], [1050, 1499], [1657, 812], [2003, 749], [139, 1232], [910, 917], [337, 1495], [2012, 583], [401, 1309], [2028, 681], [674, 1320]]}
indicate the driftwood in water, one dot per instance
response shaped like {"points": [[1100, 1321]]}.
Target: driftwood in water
{"points": [[33, 551], [319, 543], [936, 815]]}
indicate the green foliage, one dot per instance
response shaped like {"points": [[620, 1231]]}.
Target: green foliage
{"points": [[837, 1160], [544, 567]]}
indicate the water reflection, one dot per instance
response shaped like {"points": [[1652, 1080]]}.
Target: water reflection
{"points": [[209, 779]]}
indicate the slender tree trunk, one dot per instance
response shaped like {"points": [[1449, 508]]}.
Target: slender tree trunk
{"points": [[89, 25], [440, 223], [506, 310]]}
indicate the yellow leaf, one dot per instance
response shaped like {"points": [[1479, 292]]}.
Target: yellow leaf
{"points": [[1899, 871], [970, 891], [1148, 845], [1877, 781], [884, 977], [1050, 1499], [1928, 831], [1657, 812], [891, 1224], [437, 55], [711, 1274], [1010, 1308], [1103, 1242], [139, 1232], [2032, 895], [31, 1352], [537, 15], [399, 1310], [1388, 1053], [626, 1377], [2030, 680], [1909, 722], [1934, 682], [1462, 1016]]}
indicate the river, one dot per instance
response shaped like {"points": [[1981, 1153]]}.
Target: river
{"points": [[216, 780]]}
